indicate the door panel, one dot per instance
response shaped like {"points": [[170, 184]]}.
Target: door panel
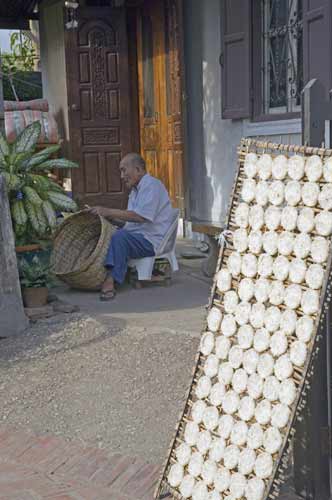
{"points": [[160, 83], [148, 85], [98, 95], [174, 84]]}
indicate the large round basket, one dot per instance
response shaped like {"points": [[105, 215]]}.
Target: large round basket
{"points": [[79, 250]]}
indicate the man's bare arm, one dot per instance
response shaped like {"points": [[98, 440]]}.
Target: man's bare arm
{"points": [[118, 215]]}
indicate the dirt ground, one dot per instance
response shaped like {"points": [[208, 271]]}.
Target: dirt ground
{"points": [[114, 375]]}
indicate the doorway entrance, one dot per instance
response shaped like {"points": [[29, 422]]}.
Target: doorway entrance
{"points": [[99, 104], [159, 57], [125, 90]]}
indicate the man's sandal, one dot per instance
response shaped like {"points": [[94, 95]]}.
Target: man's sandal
{"points": [[107, 295]]}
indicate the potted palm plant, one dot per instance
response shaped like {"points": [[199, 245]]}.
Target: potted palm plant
{"points": [[34, 278], [34, 197]]}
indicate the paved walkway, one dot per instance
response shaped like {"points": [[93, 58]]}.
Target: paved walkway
{"points": [[37, 466], [49, 468], [46, 467]]}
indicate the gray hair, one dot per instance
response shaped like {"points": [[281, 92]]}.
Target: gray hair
{"points": [[134, 159]]}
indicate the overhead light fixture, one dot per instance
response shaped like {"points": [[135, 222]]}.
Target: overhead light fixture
{"points": [[71, 13]]}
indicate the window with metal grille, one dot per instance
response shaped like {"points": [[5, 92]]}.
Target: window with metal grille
{"points": [[270, 49], [282, 49]]}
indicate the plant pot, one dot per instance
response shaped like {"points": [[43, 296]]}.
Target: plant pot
{"points": [[27, 248], [35, 297], [28, 252]]}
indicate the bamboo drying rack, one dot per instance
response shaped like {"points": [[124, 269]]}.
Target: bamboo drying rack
{"points": [[301, 376]]}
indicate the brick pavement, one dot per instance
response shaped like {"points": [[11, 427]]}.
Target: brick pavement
{"points": [[47, 467]]}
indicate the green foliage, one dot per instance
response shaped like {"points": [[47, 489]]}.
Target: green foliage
{"points": [[18, 212], [42, 156], [23, 50], [17, 68], [27, 84], [33, 196], [56, 163], [22, 55], [27, 139], [34, 274], [4, 149]]}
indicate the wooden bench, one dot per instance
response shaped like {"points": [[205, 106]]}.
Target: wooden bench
{"points": [[211, 231]]}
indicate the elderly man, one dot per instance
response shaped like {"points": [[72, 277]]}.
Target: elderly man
{"points": [[147, 219]]}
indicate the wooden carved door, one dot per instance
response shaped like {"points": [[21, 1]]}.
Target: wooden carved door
{"points": [[148, 31], [98, 98], [174, 81], [160, 93]]}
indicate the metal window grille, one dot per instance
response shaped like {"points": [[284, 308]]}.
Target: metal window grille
{"points": [[282, 46]]}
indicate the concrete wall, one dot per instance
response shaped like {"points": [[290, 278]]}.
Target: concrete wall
{"points": [[211, 141], [53, 63], [2, 112], [12, 318]]}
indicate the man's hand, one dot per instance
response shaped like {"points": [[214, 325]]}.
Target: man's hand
{"points": [[117, 214], [101, 211]]}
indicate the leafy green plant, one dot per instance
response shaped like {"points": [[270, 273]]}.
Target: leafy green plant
{"points": [[22, 54], [26, 85], [23, 50], [34, 274], [34, 197], [17, 67]]}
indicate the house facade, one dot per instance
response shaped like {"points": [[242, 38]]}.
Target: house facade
{"points": [[245, 68], [179, 81], [115, 85]]}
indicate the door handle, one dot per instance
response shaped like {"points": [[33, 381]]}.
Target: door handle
{"points": [[156, 116], [75, 107]]}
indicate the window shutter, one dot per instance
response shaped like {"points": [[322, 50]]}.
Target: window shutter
{"points": [[235, 58], [317, 41]]}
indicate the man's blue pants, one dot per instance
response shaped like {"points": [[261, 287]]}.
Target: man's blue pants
{"points": [[123, 247]]}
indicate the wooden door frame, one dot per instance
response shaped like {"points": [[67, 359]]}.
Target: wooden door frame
{"points": [[185, 168], [131, 16], [153, 121]]}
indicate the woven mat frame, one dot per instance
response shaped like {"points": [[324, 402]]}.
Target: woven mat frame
{"points": [[301, 376]]}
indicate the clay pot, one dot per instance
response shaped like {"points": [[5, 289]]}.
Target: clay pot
{"points": [[27, 248], [35, 297]]}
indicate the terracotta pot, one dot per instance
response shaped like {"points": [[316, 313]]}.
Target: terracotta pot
{"points": [[35, 297], [27, 248], [28, 252]]}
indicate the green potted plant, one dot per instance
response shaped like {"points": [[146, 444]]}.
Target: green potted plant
{"points": [[34, 197], [34, 278]]}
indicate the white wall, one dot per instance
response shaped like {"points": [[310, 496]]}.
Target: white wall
{"points": [[53, 62], [212, 141]]}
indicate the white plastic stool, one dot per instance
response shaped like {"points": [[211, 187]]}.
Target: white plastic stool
{"points": [[166, 250]]}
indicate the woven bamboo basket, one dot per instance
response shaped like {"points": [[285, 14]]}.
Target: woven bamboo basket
{"points": [[79, 250]]}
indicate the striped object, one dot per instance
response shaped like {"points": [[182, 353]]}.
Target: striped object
{"points": [[35, 105], [16, 121]]}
